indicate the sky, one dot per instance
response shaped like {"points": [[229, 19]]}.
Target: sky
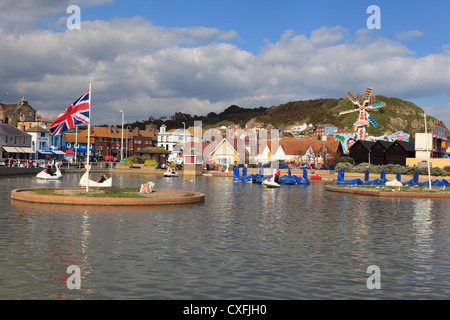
{"points": [[155, 58]]}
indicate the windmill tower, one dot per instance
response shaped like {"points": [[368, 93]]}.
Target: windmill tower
{"points": [[364, 117]]}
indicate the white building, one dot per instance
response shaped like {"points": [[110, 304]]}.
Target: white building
{"points": [[44, 144], [14, 143], [173, 140]]}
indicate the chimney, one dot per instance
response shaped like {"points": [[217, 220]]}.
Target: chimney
{"points": [[109, 128], [115, 129], [136, 132]]}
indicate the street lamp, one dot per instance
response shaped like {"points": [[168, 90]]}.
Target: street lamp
{"points": [[184, 137], [128, 129], [121, 142]]}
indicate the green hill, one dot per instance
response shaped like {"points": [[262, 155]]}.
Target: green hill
{"points": [[398, 115]]}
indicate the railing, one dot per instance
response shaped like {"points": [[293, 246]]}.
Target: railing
{"points": [[23, 163]]}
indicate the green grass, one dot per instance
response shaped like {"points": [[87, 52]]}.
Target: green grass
{"points": [[189, 195], [112, 192], [402, 189]]}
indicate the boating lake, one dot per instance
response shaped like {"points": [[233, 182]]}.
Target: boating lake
{"points": [[244, 242]]}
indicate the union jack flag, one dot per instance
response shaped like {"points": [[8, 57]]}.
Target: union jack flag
{"points": [[76, 113]]}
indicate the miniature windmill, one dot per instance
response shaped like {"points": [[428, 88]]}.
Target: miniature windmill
{"points": [[364, 117]]}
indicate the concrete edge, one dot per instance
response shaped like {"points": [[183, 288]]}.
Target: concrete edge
{"points": [[17, 194], [400, 194]]}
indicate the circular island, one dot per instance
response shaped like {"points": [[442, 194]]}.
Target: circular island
{"points": [[106, 196], [385, 191]]}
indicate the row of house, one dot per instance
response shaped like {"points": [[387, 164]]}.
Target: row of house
{"points": [[241, 150], [36, 142], [24, 135], [382, 152]]}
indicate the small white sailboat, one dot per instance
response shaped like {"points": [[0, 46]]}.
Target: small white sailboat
{"points": [[44, 174], [270, 182], [104, 184], [170, 173]]}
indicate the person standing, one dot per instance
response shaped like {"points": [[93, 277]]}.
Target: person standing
{"points": [[277, 175]]}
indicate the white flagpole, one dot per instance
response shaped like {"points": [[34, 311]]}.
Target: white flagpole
{"points": [[428, 152], [76, 144], [89, 137]]}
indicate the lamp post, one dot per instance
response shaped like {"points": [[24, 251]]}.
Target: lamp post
{"points": [[76, 144], [121, 141], [126, 148], [184, 137]]}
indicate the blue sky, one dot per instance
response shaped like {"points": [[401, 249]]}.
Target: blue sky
{"points": [[255, 21], [153, 58]]}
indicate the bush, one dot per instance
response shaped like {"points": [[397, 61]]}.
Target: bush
{"points": [[141, 159], [128, 161], [447, 168], [439, 172], [346, 160], [348, 167], [150, 163]]}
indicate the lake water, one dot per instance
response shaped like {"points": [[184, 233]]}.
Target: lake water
{"points": [[243, 242]]}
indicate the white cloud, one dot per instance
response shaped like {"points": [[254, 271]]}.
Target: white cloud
{"points": [[440, 112], [409, 35]]}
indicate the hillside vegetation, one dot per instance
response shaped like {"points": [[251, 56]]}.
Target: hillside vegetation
{"points": [[398, 115]]}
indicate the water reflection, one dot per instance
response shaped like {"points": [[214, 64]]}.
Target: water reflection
{"points": [[243, 242], [423, 227]]}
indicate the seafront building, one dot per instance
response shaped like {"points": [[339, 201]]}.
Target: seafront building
{"points": [[15, 113], [306, 143], [15, 143], [44, 145]]}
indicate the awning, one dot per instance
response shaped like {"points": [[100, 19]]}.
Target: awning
{"points": [[26, 150], [10, 149], [44, 152], [58, 152], [68, 151]]}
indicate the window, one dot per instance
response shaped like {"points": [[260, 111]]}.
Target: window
{"points": [[42, 134]]}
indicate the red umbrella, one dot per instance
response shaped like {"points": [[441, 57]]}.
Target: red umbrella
{"points": [[109, 158]]}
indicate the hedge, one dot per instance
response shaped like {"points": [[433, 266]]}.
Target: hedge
{"points": [[390, 169]]}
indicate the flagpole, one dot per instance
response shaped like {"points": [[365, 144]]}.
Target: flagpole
{"points": [[428, 153], [89, 137]]}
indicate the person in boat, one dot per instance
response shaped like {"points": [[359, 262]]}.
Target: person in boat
{"points": [[102, 179], [49, 171]]}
